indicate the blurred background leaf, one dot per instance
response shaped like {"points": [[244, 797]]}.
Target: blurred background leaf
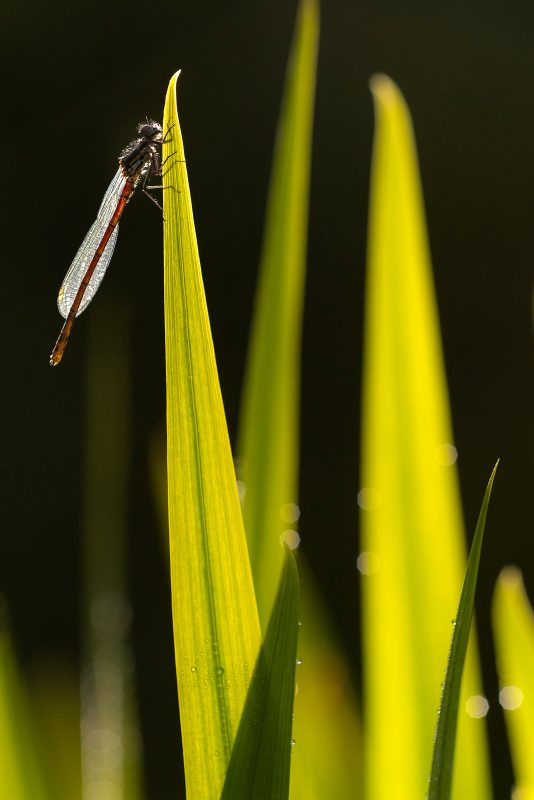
{"points": [[268, 441], [327, 756], [326, 730], [20, 767], [54, 691], [413, 546], [513, 627], [110, 736]]}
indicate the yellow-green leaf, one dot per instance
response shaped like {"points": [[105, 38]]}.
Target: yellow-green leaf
{"points": [[216, 630], [412, 532], [513, 630], [269, 421]]}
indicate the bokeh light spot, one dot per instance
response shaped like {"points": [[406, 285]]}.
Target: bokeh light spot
{"points": [[291, 539], [290, 512], [477, 706], [368, 499], [446, 454], [368, 563], [510, 697]]}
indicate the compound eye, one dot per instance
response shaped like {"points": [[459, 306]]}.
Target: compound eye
{"points": [[147, 130]]}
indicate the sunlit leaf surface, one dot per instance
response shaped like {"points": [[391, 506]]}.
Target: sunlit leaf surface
{"points": [[216, 630], [513, 627], [413, 546]]}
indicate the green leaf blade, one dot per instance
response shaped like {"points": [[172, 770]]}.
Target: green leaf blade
{"points": [[259, 768], [216, 628], [269, 419], [443, 760]]}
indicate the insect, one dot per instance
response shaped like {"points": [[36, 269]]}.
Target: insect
{"points": [[138, 163]]}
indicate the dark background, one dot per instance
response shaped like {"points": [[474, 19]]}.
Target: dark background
{"points": [[76, 80]]}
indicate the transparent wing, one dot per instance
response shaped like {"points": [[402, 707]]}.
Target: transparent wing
{"points": [[83, 257]]}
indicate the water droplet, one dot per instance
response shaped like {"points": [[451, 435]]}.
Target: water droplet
{"points": [[299, 662], [293, 743], [193, 669], [219, 671]]}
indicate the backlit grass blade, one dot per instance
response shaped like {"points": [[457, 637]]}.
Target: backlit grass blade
{"points": [[21, 776], [412, 533], [513, 631], [443, 760], [259, 767], [216, 630], [269, 421]]}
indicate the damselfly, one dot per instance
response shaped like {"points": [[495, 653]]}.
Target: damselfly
{"points": [[138, 163]]}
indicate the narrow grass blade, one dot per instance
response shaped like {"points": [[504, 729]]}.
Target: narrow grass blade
{"points": [[443, 760], [413, 546], [269, 421], [513, 631], [259, 767], [216, 630], [110, 737], [327, 756], [21, 776]]}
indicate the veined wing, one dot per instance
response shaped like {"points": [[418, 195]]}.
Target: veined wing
{"points": [[83, 257]]}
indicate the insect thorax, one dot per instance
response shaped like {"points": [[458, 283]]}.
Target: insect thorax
{"points": [[137, 159]]}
